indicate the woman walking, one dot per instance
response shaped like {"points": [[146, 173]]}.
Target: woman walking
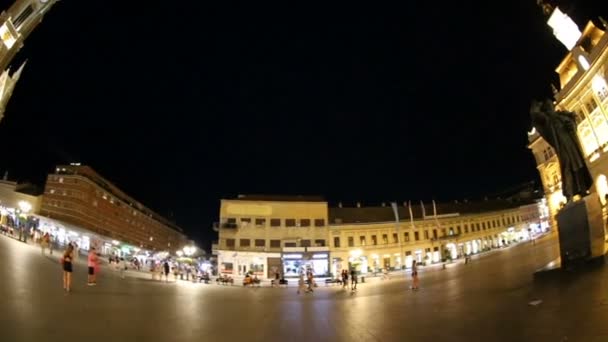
{"points": [[66, 262], [414, 275]]}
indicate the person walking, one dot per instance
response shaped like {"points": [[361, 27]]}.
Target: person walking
{"points": [[66, 262], [166, 270], [353, 280], [301, 284], [92, 264], [123, 267], [44, 242], [344, 279], [414, 276]]}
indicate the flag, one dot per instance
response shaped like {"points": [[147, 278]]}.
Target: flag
{"points": [[395, 211], [434, 209], [423, 212], [411, 215]]}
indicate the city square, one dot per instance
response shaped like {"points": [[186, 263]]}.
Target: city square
{"points": [[488, 299], [416, 172]]}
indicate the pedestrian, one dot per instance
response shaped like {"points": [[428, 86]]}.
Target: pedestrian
{"points": [[92, 264], [344, 279], [166, 270], [66, 263], [414, 275], [44, 242], [353, 280], [277, 278], [301, 284], [123, 267]]}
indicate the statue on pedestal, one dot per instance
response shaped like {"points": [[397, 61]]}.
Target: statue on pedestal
{"points": [[558, 128]]}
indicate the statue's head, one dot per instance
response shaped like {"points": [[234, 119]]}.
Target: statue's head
{"points": [[535, 106], [547, 105]]}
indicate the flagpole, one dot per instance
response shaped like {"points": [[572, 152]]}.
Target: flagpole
{"points": [[399, 237]]}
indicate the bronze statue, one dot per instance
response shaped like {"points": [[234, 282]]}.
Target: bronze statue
{"points": [[558, 128]]}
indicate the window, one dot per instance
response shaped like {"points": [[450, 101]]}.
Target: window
{"points": [[259, 222], [320, 243], [260, 242], [458, 230], [245, 220], [443, 232], [245, 242], [451, 231], [493, 223], [337, 241], [290, 222], [374, 240], [305, 223], [477, 225], [275, 222], [384, 238], [231, 220], [230, 243], [483, 224], [426, 234], [290, 244], [22, 17], [319, 222], [305, 243], [351, 241], [362, 240], [275, 243], [395, 238], [416, 236], [435, 234], [406, 237]]}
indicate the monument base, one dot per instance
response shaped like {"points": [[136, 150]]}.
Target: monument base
{"points": [[581, 238]]}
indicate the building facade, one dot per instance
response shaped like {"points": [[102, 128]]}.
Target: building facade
{"points": [[269, 236], [16, 24], [582, 90], [79, 196]]}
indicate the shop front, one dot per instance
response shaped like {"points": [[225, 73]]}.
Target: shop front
{"points": [[295, 263], [262, 265]]}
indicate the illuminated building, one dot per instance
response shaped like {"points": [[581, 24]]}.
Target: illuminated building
{"points": [[16, 24], [77, 195], [583, 90], [265, 234]]}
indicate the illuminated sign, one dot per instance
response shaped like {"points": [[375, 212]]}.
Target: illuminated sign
{"points": [[292, 256]]}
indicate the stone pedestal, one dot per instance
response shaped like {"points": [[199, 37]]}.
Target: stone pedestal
{"points": [[581, 236], [581, 231]]}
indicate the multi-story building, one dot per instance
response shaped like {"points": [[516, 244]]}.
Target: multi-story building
{"points": [[267, 235], [16, 24], [582, 90], [270, 234], [78, 195]]}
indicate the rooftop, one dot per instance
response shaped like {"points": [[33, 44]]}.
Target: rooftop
{"points": [[419, 211]]}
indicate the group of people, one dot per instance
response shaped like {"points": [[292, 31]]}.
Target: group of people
{"points": [[345, 275], [67, 261]]}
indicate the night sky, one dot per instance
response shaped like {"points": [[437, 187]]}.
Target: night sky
{"points": [[183, 105]]}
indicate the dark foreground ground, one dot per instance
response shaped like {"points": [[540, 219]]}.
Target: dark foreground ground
{"points": [[487, 300]]}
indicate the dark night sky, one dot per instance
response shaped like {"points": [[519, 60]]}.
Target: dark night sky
{"points": [[183, 105]]}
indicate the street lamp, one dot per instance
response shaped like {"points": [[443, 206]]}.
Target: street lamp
{"points": [[25, 206], [189, 250]]}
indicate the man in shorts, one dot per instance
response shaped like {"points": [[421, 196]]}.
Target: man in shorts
{"points": [[92, 263]]}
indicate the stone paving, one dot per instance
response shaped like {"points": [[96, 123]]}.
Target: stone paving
{"points": [[487, 300]]}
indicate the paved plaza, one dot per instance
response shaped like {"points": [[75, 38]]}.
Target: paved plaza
{"points": [[487, 300]]}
